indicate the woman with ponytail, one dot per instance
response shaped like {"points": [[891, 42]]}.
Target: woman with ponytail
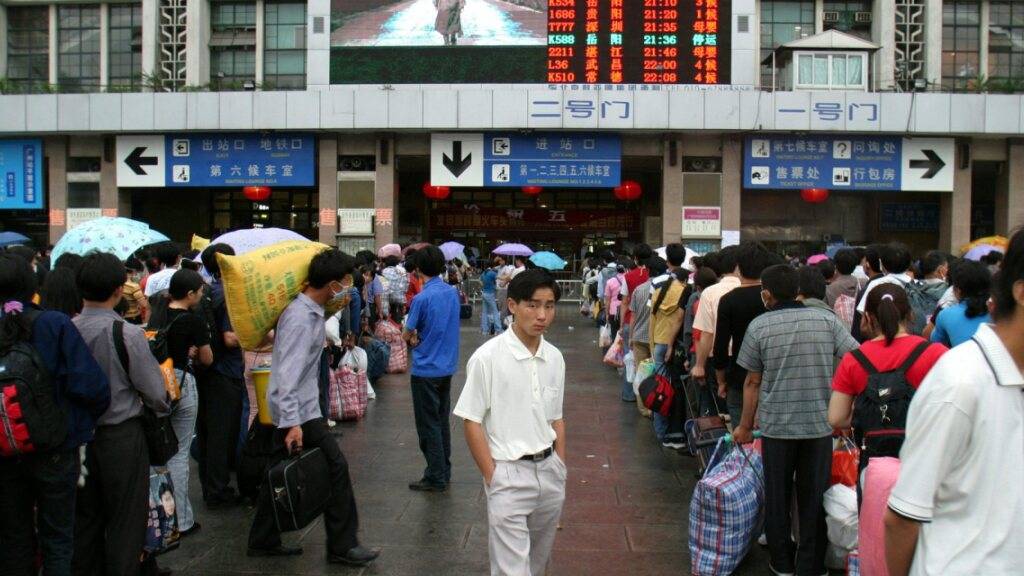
{"points": [[972, 286], [886, 315]]}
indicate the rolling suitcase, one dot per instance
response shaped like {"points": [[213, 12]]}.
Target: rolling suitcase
{"points": [[299, 488], [702, 432]]}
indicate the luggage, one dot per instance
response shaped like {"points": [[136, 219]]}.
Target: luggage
{"points": [[257, 455], [616, 354], [658, 392], [879, 479], [300, 486], [347, 394], [726, 511], [377, 356], [701, 434], [162, 525], [845, 462], [389, 332], [465, 311], [841, 519]]}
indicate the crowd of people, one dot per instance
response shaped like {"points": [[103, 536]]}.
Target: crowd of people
{"points": [[805, 352]]}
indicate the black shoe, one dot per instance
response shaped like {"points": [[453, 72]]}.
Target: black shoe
{"points": [[358, 556], [275, 551], [424, 486], [195, 528]]}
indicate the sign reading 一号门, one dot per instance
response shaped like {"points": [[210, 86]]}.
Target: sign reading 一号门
{"points": [[566, 160], [21, 166], [216, 160], [861, 163]]}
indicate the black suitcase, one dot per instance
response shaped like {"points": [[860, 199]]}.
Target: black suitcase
{"points": [[299, 488]]}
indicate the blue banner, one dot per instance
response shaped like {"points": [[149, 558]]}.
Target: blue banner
{"points": [[866, 163], [210, 160], [565, 160], [909, 217], [21, 164]]}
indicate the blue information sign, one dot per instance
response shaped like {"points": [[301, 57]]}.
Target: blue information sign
{"points": [[21, 165], [565, 160], [909, 217], [865, 163], [278, 159]]}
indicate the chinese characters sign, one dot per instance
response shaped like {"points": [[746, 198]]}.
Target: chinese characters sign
{"points": [[638, 41], [278, 159], [562, 159], [845, 163], [702, 222], [21, 166], [909, 217], [474, 218]]}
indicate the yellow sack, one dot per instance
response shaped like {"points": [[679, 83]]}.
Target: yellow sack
{"points": [[259, 285], [199, 243]]}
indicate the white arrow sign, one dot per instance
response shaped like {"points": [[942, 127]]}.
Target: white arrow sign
{"points": [[457, 159], [140, 161]]}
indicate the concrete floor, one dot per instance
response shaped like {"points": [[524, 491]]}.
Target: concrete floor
{"points": [[626, 508]]}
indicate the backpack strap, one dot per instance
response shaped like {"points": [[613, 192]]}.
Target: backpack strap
{"points": [[864, 362], [918, 351], [122, 351]]}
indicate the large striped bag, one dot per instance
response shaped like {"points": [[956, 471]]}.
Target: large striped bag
{"points": [[727, 510], [390, 333]]}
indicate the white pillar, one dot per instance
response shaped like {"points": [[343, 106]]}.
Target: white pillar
{"points": [[318, 44], [53, 45], [883, 33], [104, 46], [197, 43], [933, 42], [261, 38], [983, 52], [3, 45], [150, 43], [819, 16]]}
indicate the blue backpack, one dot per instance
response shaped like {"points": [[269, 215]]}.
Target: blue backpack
{"points": [[377, 356]]}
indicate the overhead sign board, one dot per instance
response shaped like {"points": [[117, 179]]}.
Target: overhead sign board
{"points": [[216, 160], [556, 159], [21, 169], [702, 222], [457, 160], [858, 163]]}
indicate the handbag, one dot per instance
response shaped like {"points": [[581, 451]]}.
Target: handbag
{"points": [[845, 462], [658, 392], [161, 440], [616, 354], [162, 533]]}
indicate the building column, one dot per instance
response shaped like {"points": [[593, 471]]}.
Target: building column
{"points": [[150, 44], [732, 182], [985, 11], [883, 33], [54, 45], [3, 45], [261, 43], [385, 194], [327, 177], [955, 208], [1010, 195], [671, 192], [104, 46], [109, 200], [318, 44], [197, 43], [55, 150], [933, 42], [819, 16]]}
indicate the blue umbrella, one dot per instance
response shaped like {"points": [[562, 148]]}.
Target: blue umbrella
{"points": [[12, 239], [548, 260], [118, 236], [452, 250]]}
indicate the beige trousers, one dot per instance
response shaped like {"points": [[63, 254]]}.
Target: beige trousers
{"points": [[524, 503]]}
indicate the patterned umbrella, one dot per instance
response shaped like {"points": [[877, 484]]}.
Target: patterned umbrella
{"points": [[548, 260], [118, 236], [452, 250], [513, 250], [248, 240]]}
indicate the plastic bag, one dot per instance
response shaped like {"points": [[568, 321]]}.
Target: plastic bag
{"points": [[643, 371], [630, 366], [616, 354], [604, 337], [841, 517], [845, 462]]}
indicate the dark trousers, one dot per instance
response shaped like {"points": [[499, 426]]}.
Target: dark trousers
{"points": [[735, 376], [811, 463], [220, 418], [341, 520], [432, 406], [37, 492], [324, 383], [113, 507]]}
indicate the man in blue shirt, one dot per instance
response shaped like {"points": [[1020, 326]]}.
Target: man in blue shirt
{"points": [[490, 319], [432, 329]]}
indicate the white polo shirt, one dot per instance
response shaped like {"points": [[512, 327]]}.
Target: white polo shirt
{"points": [[962, 471], [514, 394]]}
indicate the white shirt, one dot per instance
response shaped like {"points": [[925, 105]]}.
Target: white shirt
{"points": [[516, 271], [158, 281], [897, 279], [507, 270], [514, 394], [962, 471]]}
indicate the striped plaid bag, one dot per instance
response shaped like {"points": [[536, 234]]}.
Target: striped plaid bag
{"points": [[726, 511]]}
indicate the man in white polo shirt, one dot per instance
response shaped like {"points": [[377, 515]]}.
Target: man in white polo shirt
{"points": [[512, 407], [958, 506]]}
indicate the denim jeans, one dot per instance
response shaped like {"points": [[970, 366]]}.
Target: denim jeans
{"points": [[183, 420], [490, 318], [37, 492], [432, 407]]}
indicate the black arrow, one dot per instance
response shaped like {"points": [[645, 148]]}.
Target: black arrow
{"points": [[136, 161], [459, 164], [934, 164]]}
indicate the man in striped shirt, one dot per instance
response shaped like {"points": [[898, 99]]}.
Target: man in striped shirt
{"points": [[789, 354]]}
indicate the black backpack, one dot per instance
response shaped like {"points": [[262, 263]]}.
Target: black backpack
{"points": [[31, 421], [880, 412]]}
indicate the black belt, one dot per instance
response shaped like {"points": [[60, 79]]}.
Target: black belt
{"points": [[539, 455]]}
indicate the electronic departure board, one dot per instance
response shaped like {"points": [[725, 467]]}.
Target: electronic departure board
{"points": [[638, 42]]}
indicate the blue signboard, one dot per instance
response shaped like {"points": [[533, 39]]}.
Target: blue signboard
{"points": [[278, 159], [21, 169], [909, 217], [868, 163], [566, 160]]}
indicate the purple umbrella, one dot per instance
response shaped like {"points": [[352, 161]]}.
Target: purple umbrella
{"points": [[248, 240], [980, 251], [452, 250], [513, 250]]}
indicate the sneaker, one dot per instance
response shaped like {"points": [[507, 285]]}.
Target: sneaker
{"points": [[777, 573], [674, 445], [331, 423], [762, 540]]}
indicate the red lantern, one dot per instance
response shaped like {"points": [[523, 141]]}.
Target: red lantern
{"points": [[256, 193], [532, 190], [814, 195], [436, 192], [628, 191]]}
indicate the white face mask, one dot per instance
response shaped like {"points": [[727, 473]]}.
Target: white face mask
{"points": [[765, 302]]}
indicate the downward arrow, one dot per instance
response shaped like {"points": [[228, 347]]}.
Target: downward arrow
{"points": [[934, 164], [136, 161], [457, 164]]}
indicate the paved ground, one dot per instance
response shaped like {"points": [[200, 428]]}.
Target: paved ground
{"points": [[626, 509]]}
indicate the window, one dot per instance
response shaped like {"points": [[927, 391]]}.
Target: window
{"points": [[1006, 40], [284, 58], [233, 45], [830, 71], [848, 16], [28, 46], [961, 43], [125, 46], [783, 21], [295, 209], [78, 64]]}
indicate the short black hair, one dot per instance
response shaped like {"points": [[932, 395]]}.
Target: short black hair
{"points": [[656, 266], [527, 282], [932, 261], [642, 252], [59, 292], [184, 281], [70, 261], [365, 257], [166, 253], [896, 258], [676, 254], [1010, 272], [17, 281], [100, 275], [704, 277], [391, 260], [725, 262], [974, 282], [411, 264], [430, 261], [210, 257], [846, 261], [330, 265], [873, 255], [752, 257], [827, 269], [811, 282], [781, 281], [24, 252]]}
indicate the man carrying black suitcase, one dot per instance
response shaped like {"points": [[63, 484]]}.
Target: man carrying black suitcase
{"points": [[293, 397]]}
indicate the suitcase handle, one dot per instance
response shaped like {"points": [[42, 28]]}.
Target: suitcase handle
{"points": [[727, 439]]}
